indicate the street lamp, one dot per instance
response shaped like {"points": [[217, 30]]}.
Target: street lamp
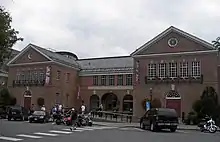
{"points": [[151, 90]]}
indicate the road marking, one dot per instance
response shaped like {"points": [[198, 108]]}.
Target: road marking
{"points": [[29, 136], [61, 132], [46, 134], [85, 129], [10, 139], [73, 130]]}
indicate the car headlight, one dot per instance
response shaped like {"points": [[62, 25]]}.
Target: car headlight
{"points": [[41, 117]]}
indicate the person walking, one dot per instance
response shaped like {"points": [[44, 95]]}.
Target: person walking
{"points": [[74, 117]]}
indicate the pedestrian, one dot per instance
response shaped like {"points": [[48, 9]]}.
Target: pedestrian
{"points": [[83, 109], [74, 117], [43, 108]]}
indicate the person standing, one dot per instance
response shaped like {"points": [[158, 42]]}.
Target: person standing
{"points": [[74, 117]]}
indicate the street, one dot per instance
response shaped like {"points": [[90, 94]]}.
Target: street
{"points": [[26, 132]]}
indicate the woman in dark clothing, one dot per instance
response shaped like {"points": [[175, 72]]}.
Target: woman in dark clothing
{"points": [[74, 117]]}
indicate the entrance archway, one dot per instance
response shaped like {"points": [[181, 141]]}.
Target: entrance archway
{"points": [[173, 100], [109, 101], [94, 102], [27, 99], [128, 103]]}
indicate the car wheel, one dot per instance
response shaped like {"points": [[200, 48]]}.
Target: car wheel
{"points": [[142, 125], [152, 127], [173, 129]]}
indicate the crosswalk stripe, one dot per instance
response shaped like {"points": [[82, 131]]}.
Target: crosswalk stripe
{"points": [[10, 138], [86, 129], [29, 136], [73, 130], [46, 134], [61, 132]]}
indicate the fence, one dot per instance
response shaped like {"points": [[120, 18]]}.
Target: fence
{"points": [[113, 116]]}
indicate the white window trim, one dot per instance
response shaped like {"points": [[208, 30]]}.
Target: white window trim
{"points": [[160, 70], [184, 66], [152, 68], [173, 68], [198, 68]]}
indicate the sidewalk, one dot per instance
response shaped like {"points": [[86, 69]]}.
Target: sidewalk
{"points": [[112, 124]]}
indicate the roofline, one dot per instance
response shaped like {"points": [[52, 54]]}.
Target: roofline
{"points": [[172, 28], [24, 51], [103, 58], [177, 53]]}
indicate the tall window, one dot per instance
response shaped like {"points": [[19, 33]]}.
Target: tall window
{"points": [[41, 75], [111, 80], [35, 77], [172, 69], [103, 80], [95, 80], [152, 70], [18, 75], [128, 79], [162, 70], [120, 80], [22, 75], [67, 77], [184, 69], [58, 75], [196, 69]]}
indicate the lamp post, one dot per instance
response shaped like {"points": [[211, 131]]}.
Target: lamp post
{"points": [[151, 91]]}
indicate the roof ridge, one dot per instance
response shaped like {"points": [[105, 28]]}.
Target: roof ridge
{"points": [[109, 57]]}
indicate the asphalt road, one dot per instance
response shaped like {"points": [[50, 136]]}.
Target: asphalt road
{"points": [[26, 132]]}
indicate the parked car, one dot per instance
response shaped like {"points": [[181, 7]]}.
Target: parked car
{"points": [[159, 118], [39, 116], [17, 113]]}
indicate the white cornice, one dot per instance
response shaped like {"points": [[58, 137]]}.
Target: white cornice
{"points": [[177, 53]]}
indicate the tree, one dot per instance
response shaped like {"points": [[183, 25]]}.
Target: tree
{"points": [[216, 43], [208, 103], [5, 97], [8, 35]]}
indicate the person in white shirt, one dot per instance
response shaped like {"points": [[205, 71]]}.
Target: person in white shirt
{"points": [[83, 109], [43, 108]]}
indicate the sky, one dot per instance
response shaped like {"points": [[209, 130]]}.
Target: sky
{"points": [[99, 28]]}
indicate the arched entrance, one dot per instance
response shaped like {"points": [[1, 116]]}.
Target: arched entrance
{"points": [[94, 102], [109, 101], [27, 99], [173, 100], [128, 103]]}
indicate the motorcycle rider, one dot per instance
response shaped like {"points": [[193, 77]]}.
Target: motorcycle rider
{"points": [[74, 117]]}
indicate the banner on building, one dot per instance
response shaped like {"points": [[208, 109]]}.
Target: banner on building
{"points": [[78, 94], [48, 75], [137, 72]]}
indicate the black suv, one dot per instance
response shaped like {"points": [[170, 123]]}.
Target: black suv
{"points": [[17, 112], [159, 118]]}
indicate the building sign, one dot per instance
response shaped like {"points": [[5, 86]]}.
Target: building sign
{"points": [[137, 72], [48, 74], [147, 105]]}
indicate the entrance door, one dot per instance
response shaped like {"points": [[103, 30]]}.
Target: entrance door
{"points": [[174, 104], [27, 102]]}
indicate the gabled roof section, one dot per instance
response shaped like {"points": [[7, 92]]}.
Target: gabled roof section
{"points": [[164, 33], [107, 64], [52, 56]]}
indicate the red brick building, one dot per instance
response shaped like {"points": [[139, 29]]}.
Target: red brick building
{"points": [[173, 68]]}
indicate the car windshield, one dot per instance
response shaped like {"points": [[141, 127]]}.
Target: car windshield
{"points": [[39, 113], [167, 112]]}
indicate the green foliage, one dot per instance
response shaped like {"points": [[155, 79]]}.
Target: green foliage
{"points": [[216, 43], [8, 35], [208, 104], [5, 97]]}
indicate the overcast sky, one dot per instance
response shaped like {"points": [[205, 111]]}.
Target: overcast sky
{"points": [[97, 28]]}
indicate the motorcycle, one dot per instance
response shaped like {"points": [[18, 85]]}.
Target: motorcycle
{"points": [[208, 124], [84, 120], [67, 120], [59, 119]]}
